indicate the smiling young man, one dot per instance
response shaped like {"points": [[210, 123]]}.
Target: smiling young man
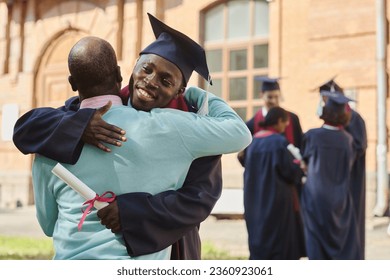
{"points": [[153, 80], [148, 222]]}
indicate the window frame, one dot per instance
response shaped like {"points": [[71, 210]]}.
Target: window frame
{"points": [[226, 45]]}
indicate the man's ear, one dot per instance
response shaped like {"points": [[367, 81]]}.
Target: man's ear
{"points": [[119, 78], [72, 83]]}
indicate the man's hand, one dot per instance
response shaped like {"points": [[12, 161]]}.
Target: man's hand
{"points": [[109, 217], [98, 131]]}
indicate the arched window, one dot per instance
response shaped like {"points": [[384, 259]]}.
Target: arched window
{"points": [[236, 35]]}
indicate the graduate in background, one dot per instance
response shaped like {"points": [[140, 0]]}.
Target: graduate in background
{"points": [[329, 218], [270, 197], [357, 128], [270, 93]]}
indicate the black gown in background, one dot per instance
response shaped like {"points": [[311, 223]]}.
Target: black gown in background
{"points": [[357, 129], [327, 206], [270, 200]]}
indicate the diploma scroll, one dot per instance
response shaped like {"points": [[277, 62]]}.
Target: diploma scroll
{"points": [[75, 183], [294, 151], [297, 155]]}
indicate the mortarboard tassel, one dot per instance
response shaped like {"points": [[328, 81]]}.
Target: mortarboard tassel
{"points": [[204, 108], [320, 108]]}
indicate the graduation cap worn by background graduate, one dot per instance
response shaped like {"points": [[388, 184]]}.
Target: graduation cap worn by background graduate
{"points": [[336, 100], [330, 85], [179, 49], [268, 83]]}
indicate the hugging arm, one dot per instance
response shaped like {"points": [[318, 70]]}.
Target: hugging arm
{"points": [[150, 223], [54, 133], [60, 134]]}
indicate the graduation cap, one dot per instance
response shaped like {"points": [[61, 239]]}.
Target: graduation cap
{"points": [[336, 100], [330, 85], [179, 49], [336, 96], [268, 83]]}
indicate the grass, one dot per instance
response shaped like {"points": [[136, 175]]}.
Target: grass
{"points": [[210, 252], [24, 248]]}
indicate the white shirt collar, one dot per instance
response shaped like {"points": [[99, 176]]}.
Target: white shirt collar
{"points": [[264, 111], [99, 101], [330, 127]]}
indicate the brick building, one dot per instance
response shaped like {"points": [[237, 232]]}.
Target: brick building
{"points": [[304, 41]]}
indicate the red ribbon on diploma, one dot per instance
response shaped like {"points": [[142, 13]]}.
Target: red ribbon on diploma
{"points": [[90, 203]]}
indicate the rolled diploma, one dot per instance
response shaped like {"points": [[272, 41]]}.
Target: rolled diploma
{"points": [[75, 183], [294, 151], [297, 155]]}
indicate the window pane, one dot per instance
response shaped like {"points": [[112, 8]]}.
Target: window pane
{"points": [[238, 19], [256, 89], [261, 18], [238, 60], [237, 89], [260, 56], [241, 112], [214, 24], [216, 88], [214, 60]]}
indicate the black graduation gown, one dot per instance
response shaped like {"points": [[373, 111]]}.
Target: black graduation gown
{"points": [[357, 129], [327, 207], [53, 133], [270, 207], [172, 214], [149, 223]]}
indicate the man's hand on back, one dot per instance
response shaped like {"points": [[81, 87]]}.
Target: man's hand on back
{"points": [[98, 132]]}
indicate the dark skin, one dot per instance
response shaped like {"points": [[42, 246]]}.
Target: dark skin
{"points": [[154, 83], [98, 131], [82, 60], [164, 83]]}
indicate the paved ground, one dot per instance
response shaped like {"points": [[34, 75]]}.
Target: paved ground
{"points": [[231, 236], [227, 235]]}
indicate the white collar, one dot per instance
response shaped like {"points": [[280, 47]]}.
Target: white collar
{"points": [[99, 101], [264, 111], [330, 127]]}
